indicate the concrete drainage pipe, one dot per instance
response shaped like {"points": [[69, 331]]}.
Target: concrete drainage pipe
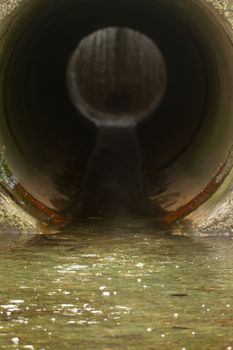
{"points": [[185, 143]]}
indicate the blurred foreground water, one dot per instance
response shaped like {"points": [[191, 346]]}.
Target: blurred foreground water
{"points": [[102, 287]]}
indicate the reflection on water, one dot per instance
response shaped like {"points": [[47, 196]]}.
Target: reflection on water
{"points": [[116, 288]]}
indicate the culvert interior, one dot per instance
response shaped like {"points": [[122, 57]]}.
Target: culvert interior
{"points": [[185, 143]]}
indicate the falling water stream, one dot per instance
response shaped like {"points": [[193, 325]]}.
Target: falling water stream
{"points": [[121, 284]]}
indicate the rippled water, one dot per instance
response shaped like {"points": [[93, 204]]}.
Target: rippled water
{"points": [[114, 288]]}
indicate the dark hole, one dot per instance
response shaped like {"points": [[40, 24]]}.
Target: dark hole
{"points": [[119, 103]]}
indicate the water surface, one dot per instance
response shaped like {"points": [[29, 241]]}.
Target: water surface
{"points": [[110, 288]]}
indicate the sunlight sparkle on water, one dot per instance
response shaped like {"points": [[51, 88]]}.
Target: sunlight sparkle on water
{"points": [[114, 291]]}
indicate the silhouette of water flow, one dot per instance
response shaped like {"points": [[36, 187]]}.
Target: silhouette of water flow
{"points": [[116, 78]]}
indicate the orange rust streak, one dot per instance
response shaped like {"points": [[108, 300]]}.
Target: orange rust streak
{"points": [[196, 201], [52, 215]]}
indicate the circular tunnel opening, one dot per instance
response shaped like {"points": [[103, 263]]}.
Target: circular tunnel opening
{"points": [[46, 143], [116, 77]]}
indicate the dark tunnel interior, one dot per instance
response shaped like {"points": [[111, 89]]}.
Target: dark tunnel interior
{"points": [[49, 143]]}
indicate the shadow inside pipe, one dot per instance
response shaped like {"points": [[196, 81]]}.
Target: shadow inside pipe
{"points": [[55, 152]]}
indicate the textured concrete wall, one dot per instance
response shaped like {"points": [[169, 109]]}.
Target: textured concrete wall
{"points": [[214, 216]]}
